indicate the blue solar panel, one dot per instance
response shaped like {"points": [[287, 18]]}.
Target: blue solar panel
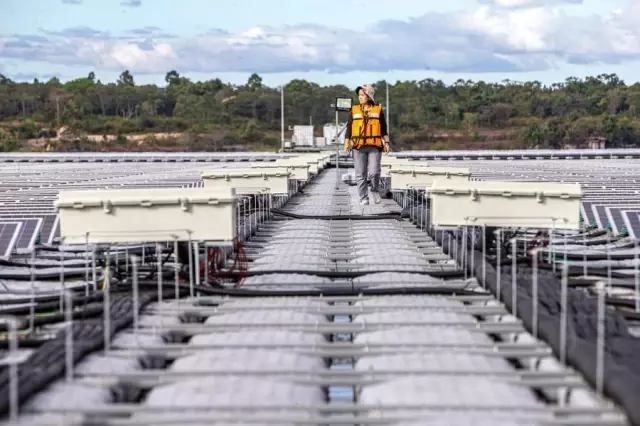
{"points": [[9, 233], [28, 233], [615, 219], [632, 223], [47, 230], [599, 209], [587, 213]]}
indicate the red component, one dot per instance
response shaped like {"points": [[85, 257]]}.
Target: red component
{"points": [[540, 240], [215, 260]]}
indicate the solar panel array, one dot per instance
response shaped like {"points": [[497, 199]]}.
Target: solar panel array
{"points": [[525, 154], [378, 354], [610, 186], [9, 233], [30, 183]]}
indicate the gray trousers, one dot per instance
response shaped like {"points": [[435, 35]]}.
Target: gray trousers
{"points": [[366, 161]]}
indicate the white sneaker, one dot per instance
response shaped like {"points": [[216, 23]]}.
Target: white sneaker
{"points": [[364, 202], [376, 197]]}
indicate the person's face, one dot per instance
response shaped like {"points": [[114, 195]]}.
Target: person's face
{"points": [[362, 98]]}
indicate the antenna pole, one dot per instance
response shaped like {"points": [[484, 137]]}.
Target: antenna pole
{"points": [[282, 117], [387, 112]]}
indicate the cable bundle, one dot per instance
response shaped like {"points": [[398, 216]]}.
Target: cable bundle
{"points": [[237, 271]]}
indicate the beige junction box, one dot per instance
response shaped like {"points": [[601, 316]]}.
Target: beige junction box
{"points": [[323, 158], [274, 180], [401, 164], [147, 215], [299, 169], [505, 204], [315, 163], [390, 159], [404, 177]]}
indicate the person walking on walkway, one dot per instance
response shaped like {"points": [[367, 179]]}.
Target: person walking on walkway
{"points": [[367, 137]]}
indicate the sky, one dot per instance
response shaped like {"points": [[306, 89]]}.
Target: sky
{"points": [[347, 42]]}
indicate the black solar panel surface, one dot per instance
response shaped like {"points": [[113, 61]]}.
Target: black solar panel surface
{"points": [[47, 228], [8, 237], [615, 218], [632, 223], [599, 209], [28, 233], [587, 213]]}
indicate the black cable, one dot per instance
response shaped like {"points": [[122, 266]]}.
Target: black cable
{"points": [[604, 271], [89, 311], [457, 273], [620, 302], [24, 343], [88, 336], [585, 282], [14, 264], [629, 315], [347, 291], [578, 256], [166, 258], [58, 269], [380, 216], [49, 306], [41, 275]]}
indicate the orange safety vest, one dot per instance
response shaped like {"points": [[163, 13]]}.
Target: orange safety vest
{"points": [[366, 129]]}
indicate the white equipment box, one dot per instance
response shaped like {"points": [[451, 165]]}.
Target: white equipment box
{"points": [[299, 169], [401, 164], [323, 158], [274, 180], [390, 159], [505, 204], [404, 177], [316, 161], [147, 215], [315, 164]]}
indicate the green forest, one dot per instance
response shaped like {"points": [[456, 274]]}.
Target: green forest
{"points": [[212, 115]]}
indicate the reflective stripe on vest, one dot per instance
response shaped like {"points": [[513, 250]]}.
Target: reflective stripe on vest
{"points": [[366, 129]]}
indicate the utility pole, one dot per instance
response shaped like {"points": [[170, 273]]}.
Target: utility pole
{"points": [[387, 112], [282, 117], [57, 111], [335, 140]]}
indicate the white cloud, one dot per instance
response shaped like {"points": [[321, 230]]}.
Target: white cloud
{"points": [[486, 39]]}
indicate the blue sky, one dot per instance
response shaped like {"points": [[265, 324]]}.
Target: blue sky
{"points": [[326, 41]]}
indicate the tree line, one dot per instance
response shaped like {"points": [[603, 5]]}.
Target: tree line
{"points": [[425, 114]]}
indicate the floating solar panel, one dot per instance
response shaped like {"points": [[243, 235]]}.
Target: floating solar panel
{"points": [[615, 219], [55, 231], [46, 232], [625, 228], [587, 215], [600, 210], [28, 234], [9, 233], [50, 229], [631, 220]]}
